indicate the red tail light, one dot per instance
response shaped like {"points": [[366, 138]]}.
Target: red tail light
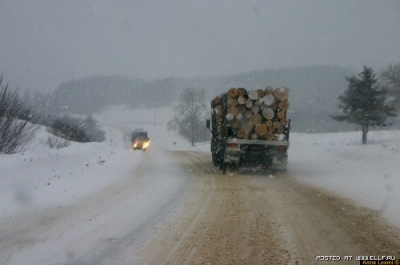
{"points": [[232, 145], [282, 147]]}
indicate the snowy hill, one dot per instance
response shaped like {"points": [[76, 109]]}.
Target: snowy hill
{"points": [[42, 177]]}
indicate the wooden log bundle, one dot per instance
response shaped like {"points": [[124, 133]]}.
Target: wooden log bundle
{"points": [[253, 114]]}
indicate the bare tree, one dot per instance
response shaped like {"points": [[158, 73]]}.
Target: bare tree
{"points": [[189, 115], [391, 80], [173, 125], [76, 129], [14, 132], [54, 142]]}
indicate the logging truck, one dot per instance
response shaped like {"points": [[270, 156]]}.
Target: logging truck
{"points": [[250, 128]]}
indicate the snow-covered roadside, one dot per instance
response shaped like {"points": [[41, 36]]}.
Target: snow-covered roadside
{"points": [[41, 177], [338, 162]]}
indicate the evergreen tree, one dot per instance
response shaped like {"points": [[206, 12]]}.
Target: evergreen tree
{"points": [[364, 102]]}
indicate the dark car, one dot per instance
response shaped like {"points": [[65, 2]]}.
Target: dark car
{"points": [[140, 140]]}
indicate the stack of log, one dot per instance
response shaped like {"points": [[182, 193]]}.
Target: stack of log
{"points": [[254, 114]]}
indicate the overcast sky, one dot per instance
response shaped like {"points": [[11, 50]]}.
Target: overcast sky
{"points": [[44, 43]]}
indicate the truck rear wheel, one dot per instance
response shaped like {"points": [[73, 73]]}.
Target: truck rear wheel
{"points": [[223, 166], [281, 171], [214, 159], [267, 163]]}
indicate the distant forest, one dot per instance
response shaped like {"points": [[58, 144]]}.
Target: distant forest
{"points": [[314, 92]]}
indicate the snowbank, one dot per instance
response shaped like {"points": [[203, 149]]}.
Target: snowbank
{"points": [[41, 177]]}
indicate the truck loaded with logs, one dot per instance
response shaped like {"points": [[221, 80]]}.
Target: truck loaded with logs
{"points": [[250, 128]]}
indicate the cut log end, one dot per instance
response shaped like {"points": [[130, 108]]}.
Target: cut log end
{"points": [[277, 124], [217, 100], [232, 102], [248, 103], [253, 94], [255, 119], [281, 93], [242, 91], [247, 127], [268, 113], [255, 108], [261, 129], [269, 99], [242, 109], [269, 135], [283, 105], [281, 114], [235, 124], [268, 90], [233, 110], [261, 93], [241, 100], [248, 114], [233, 92]]}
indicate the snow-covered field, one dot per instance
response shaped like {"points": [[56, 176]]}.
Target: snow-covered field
{"points": [[368, 174], [41, 177]]}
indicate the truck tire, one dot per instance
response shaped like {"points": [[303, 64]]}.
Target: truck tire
{"points": [[223, 166], [233, 167], [266, 163], [221, 161], [281, 171], [214, 159]]}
